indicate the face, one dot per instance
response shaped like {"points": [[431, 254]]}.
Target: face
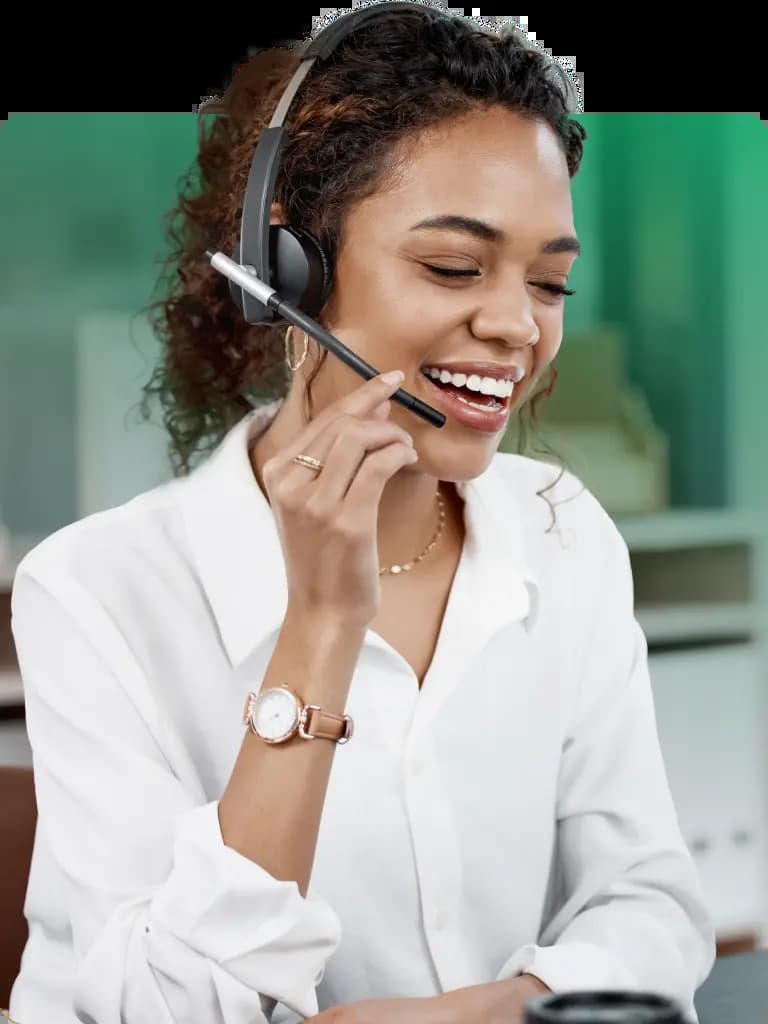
{"points": [[497, 168]]}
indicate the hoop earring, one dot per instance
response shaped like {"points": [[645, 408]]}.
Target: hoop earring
{"points": [[288, 347]]}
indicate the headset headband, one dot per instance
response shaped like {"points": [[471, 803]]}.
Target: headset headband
{"points": [[253, 246]]}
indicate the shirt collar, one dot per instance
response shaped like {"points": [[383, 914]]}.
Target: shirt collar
{"points": [[238, 556]]}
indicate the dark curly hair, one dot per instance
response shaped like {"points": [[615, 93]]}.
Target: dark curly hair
{"points": [[390, 79]]}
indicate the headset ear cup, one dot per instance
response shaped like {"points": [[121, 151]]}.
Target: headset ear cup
{"points": [[324, 271], [300, 269]]}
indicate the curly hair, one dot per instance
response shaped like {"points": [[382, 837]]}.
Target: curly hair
{"points": [[388, 81]]}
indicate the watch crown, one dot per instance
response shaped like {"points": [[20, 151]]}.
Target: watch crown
{"points": [[250, 698]]}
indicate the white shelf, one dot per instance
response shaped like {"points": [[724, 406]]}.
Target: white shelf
{"points": [[690, 528], [667, 622]]}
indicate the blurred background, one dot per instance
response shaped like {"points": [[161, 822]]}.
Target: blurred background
{"points": [[659, 409]]}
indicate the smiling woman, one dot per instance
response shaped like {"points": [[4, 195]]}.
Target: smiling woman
{"points": [[498, 821]]}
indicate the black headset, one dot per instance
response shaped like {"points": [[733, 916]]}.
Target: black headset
{"points": [[289, 259]]}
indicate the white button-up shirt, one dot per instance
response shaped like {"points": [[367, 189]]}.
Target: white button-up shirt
{"points": [[512, 815]]}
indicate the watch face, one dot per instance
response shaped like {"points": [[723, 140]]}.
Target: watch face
{"points": [[275, 715]]}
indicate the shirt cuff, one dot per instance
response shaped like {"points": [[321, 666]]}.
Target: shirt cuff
{"points": [[578, 967], [570, 967]]}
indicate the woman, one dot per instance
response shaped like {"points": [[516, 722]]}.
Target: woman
{"points": [[498, 824]]}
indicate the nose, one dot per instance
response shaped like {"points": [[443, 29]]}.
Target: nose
{"points": [[509, 320]]}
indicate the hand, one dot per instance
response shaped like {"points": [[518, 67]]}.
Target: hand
{"points": [[327, 520], [423, 1010], [498, 1002]]}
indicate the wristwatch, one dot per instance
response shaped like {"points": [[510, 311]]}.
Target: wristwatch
{"points": [[277, 715]]}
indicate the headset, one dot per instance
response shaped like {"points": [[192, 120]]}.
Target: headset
{"points": [[279, 272]]}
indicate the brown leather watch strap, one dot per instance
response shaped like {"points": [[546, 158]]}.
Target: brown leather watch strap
{"points": [[326, 725]]}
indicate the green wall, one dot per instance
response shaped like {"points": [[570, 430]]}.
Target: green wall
{"points": [[664, 182], [745, 284], [671, 209]]}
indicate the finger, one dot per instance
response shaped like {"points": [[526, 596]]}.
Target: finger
{"points": [[354, 444], [360, 402], [367, 484], [381, 411]]}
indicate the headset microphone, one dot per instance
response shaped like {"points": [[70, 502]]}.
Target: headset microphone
{"points": [[245, 279]]}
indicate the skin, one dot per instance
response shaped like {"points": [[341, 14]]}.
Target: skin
{"points": [[497, 1002], [500, 168]]}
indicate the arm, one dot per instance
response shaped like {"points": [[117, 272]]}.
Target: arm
{"points": [[627, 910], [497, 1002], [286, 785], [175, 916]]}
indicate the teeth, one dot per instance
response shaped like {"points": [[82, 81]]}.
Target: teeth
{"points": [[485, 385], [484, 407]]}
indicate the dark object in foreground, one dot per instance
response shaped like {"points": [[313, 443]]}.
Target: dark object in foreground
{"points": [[603, 1008]]}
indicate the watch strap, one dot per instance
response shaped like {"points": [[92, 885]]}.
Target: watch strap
{"points": [[321, 724]]}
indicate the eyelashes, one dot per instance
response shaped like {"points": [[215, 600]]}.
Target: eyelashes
{"points": [[555, 289]]}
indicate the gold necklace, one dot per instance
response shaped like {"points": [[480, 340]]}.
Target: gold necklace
{"points": [[440, 526]]}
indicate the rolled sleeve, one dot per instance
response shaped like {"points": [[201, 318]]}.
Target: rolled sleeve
{"points": [[231, 911], [627, 911], [570, 967], [168, 923]]}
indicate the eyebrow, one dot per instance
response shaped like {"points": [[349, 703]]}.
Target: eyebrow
{"points": [[488, 233]]}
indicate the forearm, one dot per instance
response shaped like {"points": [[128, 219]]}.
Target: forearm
{"points": [[496, 1002], [271, 808]]}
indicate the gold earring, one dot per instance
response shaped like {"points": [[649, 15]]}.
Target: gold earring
{"points": [[288, 345]]}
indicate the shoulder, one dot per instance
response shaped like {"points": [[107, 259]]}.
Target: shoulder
{"points": [[541, 489], [103, 551], [564, 527]]}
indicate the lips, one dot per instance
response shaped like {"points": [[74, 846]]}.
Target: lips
{"points": [[486, 420]]}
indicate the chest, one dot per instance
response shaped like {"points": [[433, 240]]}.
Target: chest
{"points": [[411, 613]]}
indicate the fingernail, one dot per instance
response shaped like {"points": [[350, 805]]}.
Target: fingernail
{"points": [[393, 377]]}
